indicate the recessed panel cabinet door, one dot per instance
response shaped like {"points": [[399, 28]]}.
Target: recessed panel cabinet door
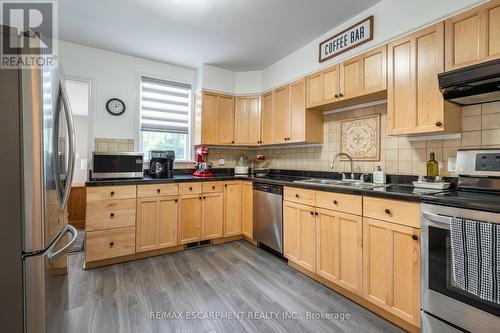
{"points": [[391, 268], [247, 223], [210, 118], [314, 90], [232, 208], [241, 123], [331, 84], [212, 215], [226, 120], [281, 119], [291, 231], [147, 212], [267, 134], [254, 120], [167, 222], [189, 218], [297, 111]]}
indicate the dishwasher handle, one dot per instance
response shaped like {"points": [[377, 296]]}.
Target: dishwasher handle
{"points": [[269, 188]]}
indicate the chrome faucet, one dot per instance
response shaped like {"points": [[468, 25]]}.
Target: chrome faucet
{"points": [[334, 158]]}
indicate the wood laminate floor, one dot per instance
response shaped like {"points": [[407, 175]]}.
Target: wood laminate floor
{"points": [[233, 279]]}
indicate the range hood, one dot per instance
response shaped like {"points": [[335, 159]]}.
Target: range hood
{"points": [[472, 85]]}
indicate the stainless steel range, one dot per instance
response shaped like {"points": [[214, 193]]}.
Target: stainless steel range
{"points": [[450, 303]]}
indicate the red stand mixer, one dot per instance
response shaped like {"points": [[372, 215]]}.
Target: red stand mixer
{"points": [[202, 166]]}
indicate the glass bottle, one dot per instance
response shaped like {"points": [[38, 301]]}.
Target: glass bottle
{"points": [[432, 166]]}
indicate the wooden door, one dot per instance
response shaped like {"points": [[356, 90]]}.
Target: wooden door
{"points": [[314, 90], [281, 119], [331, 84], [339, 249], [299, 232], [351, 78], [210, 118], [189, 218], [247, 216], [212, 215], [267, 133], [254, 121], [167, 221], [232, 208], [241, 121], [146, 224], [493, 16], [374, 67], [298, 111], [391, 268], [226, 120]]}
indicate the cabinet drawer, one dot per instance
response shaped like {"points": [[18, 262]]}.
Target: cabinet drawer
{"points": [[213, 187], [190, 188], [346, 203], [396, 211], [107, 214], [157, 190], [299, 195], [106, 244], [98, 193]]}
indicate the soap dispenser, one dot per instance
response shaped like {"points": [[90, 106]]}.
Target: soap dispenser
{"points": [[379, 176]]}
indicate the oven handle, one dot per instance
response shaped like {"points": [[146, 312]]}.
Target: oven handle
{"points": [[437, 218]]}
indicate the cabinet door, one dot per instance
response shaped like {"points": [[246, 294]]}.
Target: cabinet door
{"points": [[167, 221], [189, 218], [226, 120], [291, 231], [247, 223], [331, 84], [281, 119], [351, 78], [212, 215], [241, 118], [339, 249], [146, 233], [297, 111], [314, 90], [374, 67], [254, 121], [267, 134], [391, 268], [209, 118], [232, 208]]}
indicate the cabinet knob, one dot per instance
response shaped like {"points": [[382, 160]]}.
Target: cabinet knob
{"points": [[296, 195], [316, 213], [414, 237], [190, 188], [111, 244], [336, 95], [312, 213], [335, 202], [232, 142], [112, 192], [225, 185], [199, 198], [387, 211], [112, 215], [158, 190], [204, 198], [213, 187], [341, 95], [176, 200], [439, 124]]}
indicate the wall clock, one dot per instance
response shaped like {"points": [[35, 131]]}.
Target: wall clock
{"points": [[115, 106]]}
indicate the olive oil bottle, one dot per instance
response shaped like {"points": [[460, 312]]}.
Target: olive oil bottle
{"points": [[432, 166]]}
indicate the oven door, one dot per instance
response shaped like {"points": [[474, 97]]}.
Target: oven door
{"points": [[439, 294]]}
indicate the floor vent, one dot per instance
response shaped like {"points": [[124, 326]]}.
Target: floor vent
{"points": [[198, 244], [205, 242]]}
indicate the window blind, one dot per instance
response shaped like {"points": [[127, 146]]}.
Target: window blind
{"points": [[165, 106]]}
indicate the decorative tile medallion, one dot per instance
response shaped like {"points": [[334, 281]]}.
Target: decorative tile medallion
{"points": [[360, 138]]}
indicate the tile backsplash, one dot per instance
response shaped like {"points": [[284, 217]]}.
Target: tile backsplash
{"points": [[104, 145]]}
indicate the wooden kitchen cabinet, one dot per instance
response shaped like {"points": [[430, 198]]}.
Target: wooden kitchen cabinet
{"points": [[473, 36], [281, 118], [299, 234], [323, 87], [415, 104], [233, 201], [190, 216], [339, 249], [212, 215], [156, 223], [217, 119], [247, 121], [391, 268], [247, 216], [267, 132]]}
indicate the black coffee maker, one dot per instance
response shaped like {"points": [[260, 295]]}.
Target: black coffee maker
{"points": [[161, 163]]}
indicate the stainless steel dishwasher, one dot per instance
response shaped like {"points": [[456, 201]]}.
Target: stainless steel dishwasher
{"points": [[268, 215]]}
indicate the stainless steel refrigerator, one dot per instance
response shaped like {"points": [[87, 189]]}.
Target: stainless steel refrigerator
{"points": [[37, 161]]}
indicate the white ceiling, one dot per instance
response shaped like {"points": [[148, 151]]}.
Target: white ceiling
{"points": [[237, 35]]}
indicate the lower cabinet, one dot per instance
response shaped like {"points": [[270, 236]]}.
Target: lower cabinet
{"points": [[391, 274], [212, 208], [107, 244], [189, 218], [156, 223], [247, 216], [299, 233], [232, 208], [339, 249]]}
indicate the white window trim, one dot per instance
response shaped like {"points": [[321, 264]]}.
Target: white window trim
{"points": [[137, 115]]}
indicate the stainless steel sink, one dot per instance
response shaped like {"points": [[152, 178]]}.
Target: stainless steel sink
{"points": [[340, 183]]}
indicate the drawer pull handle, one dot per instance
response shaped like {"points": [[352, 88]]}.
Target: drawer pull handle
{"points": [[388, 211], [296, 195], [111, 244], [112, 192], [335, 202], [112, 215], [158, 190], [213, 187]]}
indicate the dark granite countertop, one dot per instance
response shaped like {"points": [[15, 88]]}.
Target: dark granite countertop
{"points": [[400, 191]]}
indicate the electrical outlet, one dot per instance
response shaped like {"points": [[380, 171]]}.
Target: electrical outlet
{"points": [[452, 164], [222, 161]]}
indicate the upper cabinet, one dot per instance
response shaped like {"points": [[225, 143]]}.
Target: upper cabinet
{"points": [[266, 137], [414, 102], [473, 36], [217, 119], [357, 79], [281, 117], [247, 121]]}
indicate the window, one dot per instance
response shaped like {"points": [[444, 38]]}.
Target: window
{"points": [[165, 117]]}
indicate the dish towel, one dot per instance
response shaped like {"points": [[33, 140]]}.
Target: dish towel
{"points": [[475, 248]]}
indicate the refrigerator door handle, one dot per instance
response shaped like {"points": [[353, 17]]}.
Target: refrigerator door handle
{"points": [[52, 256]]}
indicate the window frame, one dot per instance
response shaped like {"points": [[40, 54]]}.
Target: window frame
{"points": [[188, 149]]}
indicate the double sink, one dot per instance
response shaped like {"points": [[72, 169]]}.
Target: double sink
{"points": [[345, 183]]}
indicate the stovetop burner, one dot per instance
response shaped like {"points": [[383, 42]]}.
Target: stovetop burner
{"points": [[481, 200]]}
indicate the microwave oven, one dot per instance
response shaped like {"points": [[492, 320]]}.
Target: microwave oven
{"points": [[117, 165]]}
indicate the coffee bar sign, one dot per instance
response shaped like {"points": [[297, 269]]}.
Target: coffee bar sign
{"points": [[346, 40]]}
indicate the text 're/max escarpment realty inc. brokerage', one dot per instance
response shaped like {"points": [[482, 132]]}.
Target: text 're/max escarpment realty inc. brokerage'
{"points": [[346, 40]]}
